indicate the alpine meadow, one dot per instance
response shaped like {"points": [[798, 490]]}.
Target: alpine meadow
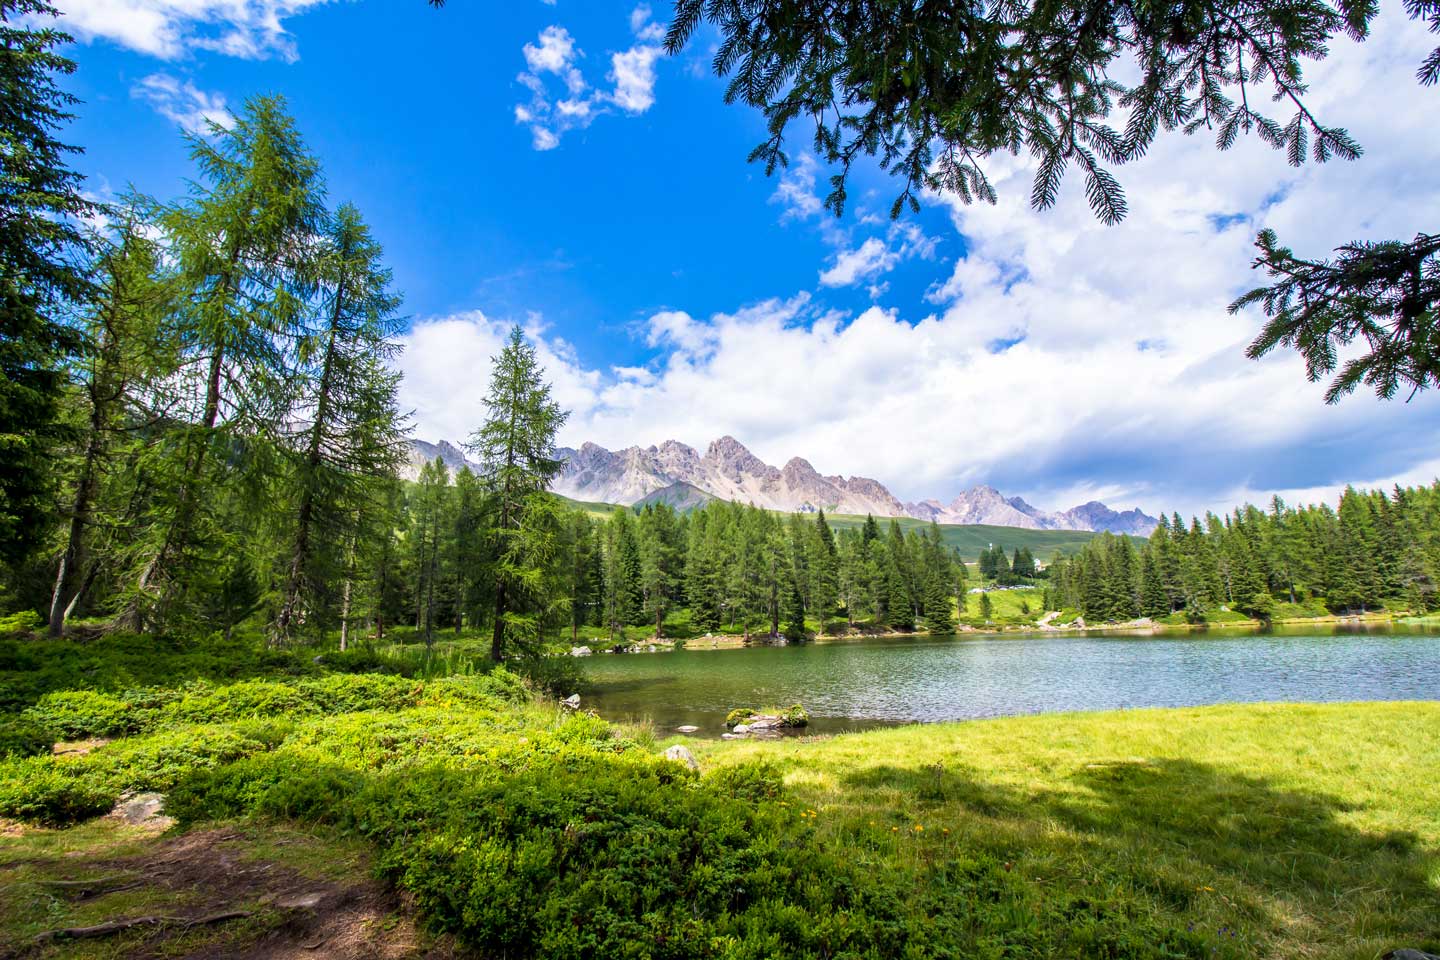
{"points": [[362, 594]]}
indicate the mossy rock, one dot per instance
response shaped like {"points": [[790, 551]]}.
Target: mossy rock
{"points": [[738, 716], [795, 717]]}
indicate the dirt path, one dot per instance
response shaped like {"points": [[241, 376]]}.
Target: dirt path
{"points": [[264, 892]]}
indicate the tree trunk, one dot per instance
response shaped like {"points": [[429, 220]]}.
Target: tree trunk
{"points": [[300, 555], [62, 601], [497, 639]]}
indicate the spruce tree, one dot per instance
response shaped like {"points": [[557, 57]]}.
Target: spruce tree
{"points": [[515, 447], [938, 618], [40, 277]]}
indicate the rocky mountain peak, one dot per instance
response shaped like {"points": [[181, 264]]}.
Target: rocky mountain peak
{"points": [[673, 472]]}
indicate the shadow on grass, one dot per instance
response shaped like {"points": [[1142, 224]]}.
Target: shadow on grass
{"points": [[1175, 831]]}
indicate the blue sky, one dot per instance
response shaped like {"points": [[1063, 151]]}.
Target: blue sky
{"points": [[544, 163]]}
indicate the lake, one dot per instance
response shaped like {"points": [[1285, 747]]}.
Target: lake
{"points": [[857, 684]]}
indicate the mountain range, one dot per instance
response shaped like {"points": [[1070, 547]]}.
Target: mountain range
{"points": [[681, 476]]}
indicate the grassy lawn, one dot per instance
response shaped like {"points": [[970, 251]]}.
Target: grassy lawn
{"points": [[1276, 830]]}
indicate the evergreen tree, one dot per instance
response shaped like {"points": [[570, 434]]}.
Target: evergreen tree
{"points": [[132, 350], [40, 205], [348, 392], [516, 450], [243, 244], [938, 618], [660, 566]]}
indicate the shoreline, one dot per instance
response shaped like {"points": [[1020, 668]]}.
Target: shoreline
{"points": [[1139, 627]]}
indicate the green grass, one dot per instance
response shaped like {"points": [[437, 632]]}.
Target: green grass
{"points": [[970, 538], [524, 830], [1007, 608], [1278, 830]]}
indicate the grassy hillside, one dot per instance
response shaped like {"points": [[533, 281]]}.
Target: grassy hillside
{"points": [[970, 539]]}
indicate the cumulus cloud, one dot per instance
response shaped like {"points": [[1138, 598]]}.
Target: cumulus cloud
{"points": [[877, 256], [1063, 360], [170, 29], [632, 78], [182, 102]]}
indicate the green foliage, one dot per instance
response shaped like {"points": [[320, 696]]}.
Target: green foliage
{"points": [[41, 202], [19, 624], [36, 790], [1376, 550], [795, 716], [74, 714], [24, 737], [738, 716]]}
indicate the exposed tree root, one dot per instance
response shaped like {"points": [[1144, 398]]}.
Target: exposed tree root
{"points": [[112, 927]]}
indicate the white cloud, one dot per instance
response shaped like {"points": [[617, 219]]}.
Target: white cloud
{"points": [[556, 53], [632, 78], [851, 266], [170, 29], [876, 256], [1065, 359], [184, 103], [633, 73]]}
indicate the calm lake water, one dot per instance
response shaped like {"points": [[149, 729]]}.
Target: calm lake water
{"points": [[849, 685]]}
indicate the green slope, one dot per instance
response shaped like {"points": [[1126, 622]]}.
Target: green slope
{"points": [[970, 539]]}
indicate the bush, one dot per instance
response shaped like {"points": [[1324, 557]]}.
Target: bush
{"points": [[37, 790], [348, 693], [160, 761], [249, 698], [76, 714], [20, 624], [23, 737]]}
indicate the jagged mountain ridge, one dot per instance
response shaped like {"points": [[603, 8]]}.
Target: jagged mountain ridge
{"points": [[680, 475]]}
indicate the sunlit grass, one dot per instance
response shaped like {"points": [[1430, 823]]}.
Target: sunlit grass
{"points": [[1289, 830]]}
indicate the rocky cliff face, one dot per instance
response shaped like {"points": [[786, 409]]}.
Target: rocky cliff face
{"points": [[676, 473], [727, 471], [421, 453]]}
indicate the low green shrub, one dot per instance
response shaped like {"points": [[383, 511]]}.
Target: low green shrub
{"points": [[347, 693], [24, 737], [37, 790], [76, 714], [20, 624], [237, 701], [161, 760]]}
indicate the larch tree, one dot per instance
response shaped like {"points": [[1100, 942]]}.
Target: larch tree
{"points": [[352, 433], [245, 243], [126, 323], [515, 447]]}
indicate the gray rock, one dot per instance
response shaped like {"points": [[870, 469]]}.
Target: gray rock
{"points": [[143, 810], [741, 728], [1406, 953], [681, 754], [764, 723], [580, 651], [571, 702], [687, 728]]}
